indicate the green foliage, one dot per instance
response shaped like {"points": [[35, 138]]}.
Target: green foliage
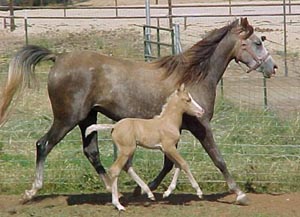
{"points": [[260, 149]]}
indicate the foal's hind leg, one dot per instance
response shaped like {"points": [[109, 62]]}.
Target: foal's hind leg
{"points": [[43, 147], [90, 148]]}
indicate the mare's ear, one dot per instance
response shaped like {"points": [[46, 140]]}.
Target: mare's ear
{"points": [[246, 27], [244, 22]]}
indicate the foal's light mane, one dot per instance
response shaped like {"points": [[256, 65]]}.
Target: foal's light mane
{"points": [[193, 65], [165, 105]]}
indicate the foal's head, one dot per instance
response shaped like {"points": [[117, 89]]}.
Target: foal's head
{"points": [[186, 102]]}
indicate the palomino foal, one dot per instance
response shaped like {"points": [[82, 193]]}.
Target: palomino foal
{"points": [[162, 132]]}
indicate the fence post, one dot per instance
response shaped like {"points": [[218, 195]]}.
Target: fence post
{"points": [[65, 10], [285, 41], [147, 29], [170, 13], [158, 42], [116, 5], [11, 13], [25, 27], [265, 93], [178, 48]]}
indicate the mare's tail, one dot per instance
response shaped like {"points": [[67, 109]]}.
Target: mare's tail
{"points": [[96, 127], [21, 72]]}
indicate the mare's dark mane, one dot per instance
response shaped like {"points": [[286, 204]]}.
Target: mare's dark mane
{"points": [[193, 64]]}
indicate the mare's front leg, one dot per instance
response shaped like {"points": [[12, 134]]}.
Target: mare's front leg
{"points": [[167, 167], [91, 150], [203, 132]]}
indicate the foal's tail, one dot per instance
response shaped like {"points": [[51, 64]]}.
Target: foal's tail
{"points": [[96, 127], [21, 72]]}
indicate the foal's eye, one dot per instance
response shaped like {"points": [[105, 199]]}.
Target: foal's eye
{"points": [[258, 43], [189, 100]]}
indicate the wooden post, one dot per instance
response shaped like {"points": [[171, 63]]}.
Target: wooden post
{"points": [[11, 13], [65, 10], [285, 41], [25, 28], [170, 14], [116, 5], [230, 12]]}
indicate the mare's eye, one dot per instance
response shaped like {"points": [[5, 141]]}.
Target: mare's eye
{"points": [[263, 38], [189, 100]]}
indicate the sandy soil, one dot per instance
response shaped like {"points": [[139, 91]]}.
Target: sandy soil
{"points": [[218, 205]]}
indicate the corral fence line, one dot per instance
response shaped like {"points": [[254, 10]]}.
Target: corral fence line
{"points": [[251, 162], [168, 13], [175, 44]]}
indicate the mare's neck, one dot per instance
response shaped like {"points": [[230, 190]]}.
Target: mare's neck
{"points": [[221, 58]]}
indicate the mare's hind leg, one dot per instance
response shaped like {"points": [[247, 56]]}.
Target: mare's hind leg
{"points": [[43, 147], [90, 147]]}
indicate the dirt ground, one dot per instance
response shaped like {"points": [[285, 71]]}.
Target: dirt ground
{"points": [[178, 204]]}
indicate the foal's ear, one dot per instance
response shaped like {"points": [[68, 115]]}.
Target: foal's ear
{"points": [[182, 87]]}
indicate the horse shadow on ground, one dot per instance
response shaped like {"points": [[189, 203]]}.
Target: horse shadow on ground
{"points": [[129, 199]]}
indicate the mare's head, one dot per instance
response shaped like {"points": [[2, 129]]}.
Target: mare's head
{"points": [[185, 101], [250, 50]]}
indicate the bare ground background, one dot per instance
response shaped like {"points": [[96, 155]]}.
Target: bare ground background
{"points": [[179, 204]]}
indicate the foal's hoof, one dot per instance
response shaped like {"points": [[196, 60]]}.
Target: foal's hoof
{"points": [[166, 194], [151, 197], [200, 196], [242, 199], [28, 195]]}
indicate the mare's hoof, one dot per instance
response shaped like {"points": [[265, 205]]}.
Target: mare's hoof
{"points": [[137, 191], [242, 199]]}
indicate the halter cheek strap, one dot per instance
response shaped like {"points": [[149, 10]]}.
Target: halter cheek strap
{"points": [[259, 60]]}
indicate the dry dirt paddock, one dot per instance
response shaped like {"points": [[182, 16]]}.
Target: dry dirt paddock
{"points": [[178, 204]]}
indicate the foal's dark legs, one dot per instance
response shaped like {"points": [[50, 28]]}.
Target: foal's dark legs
{"points": [[90, 147], [43, 147]]}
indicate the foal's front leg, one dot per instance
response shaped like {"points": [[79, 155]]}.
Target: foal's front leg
{"points": [[173, 184], [173, 154]]}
